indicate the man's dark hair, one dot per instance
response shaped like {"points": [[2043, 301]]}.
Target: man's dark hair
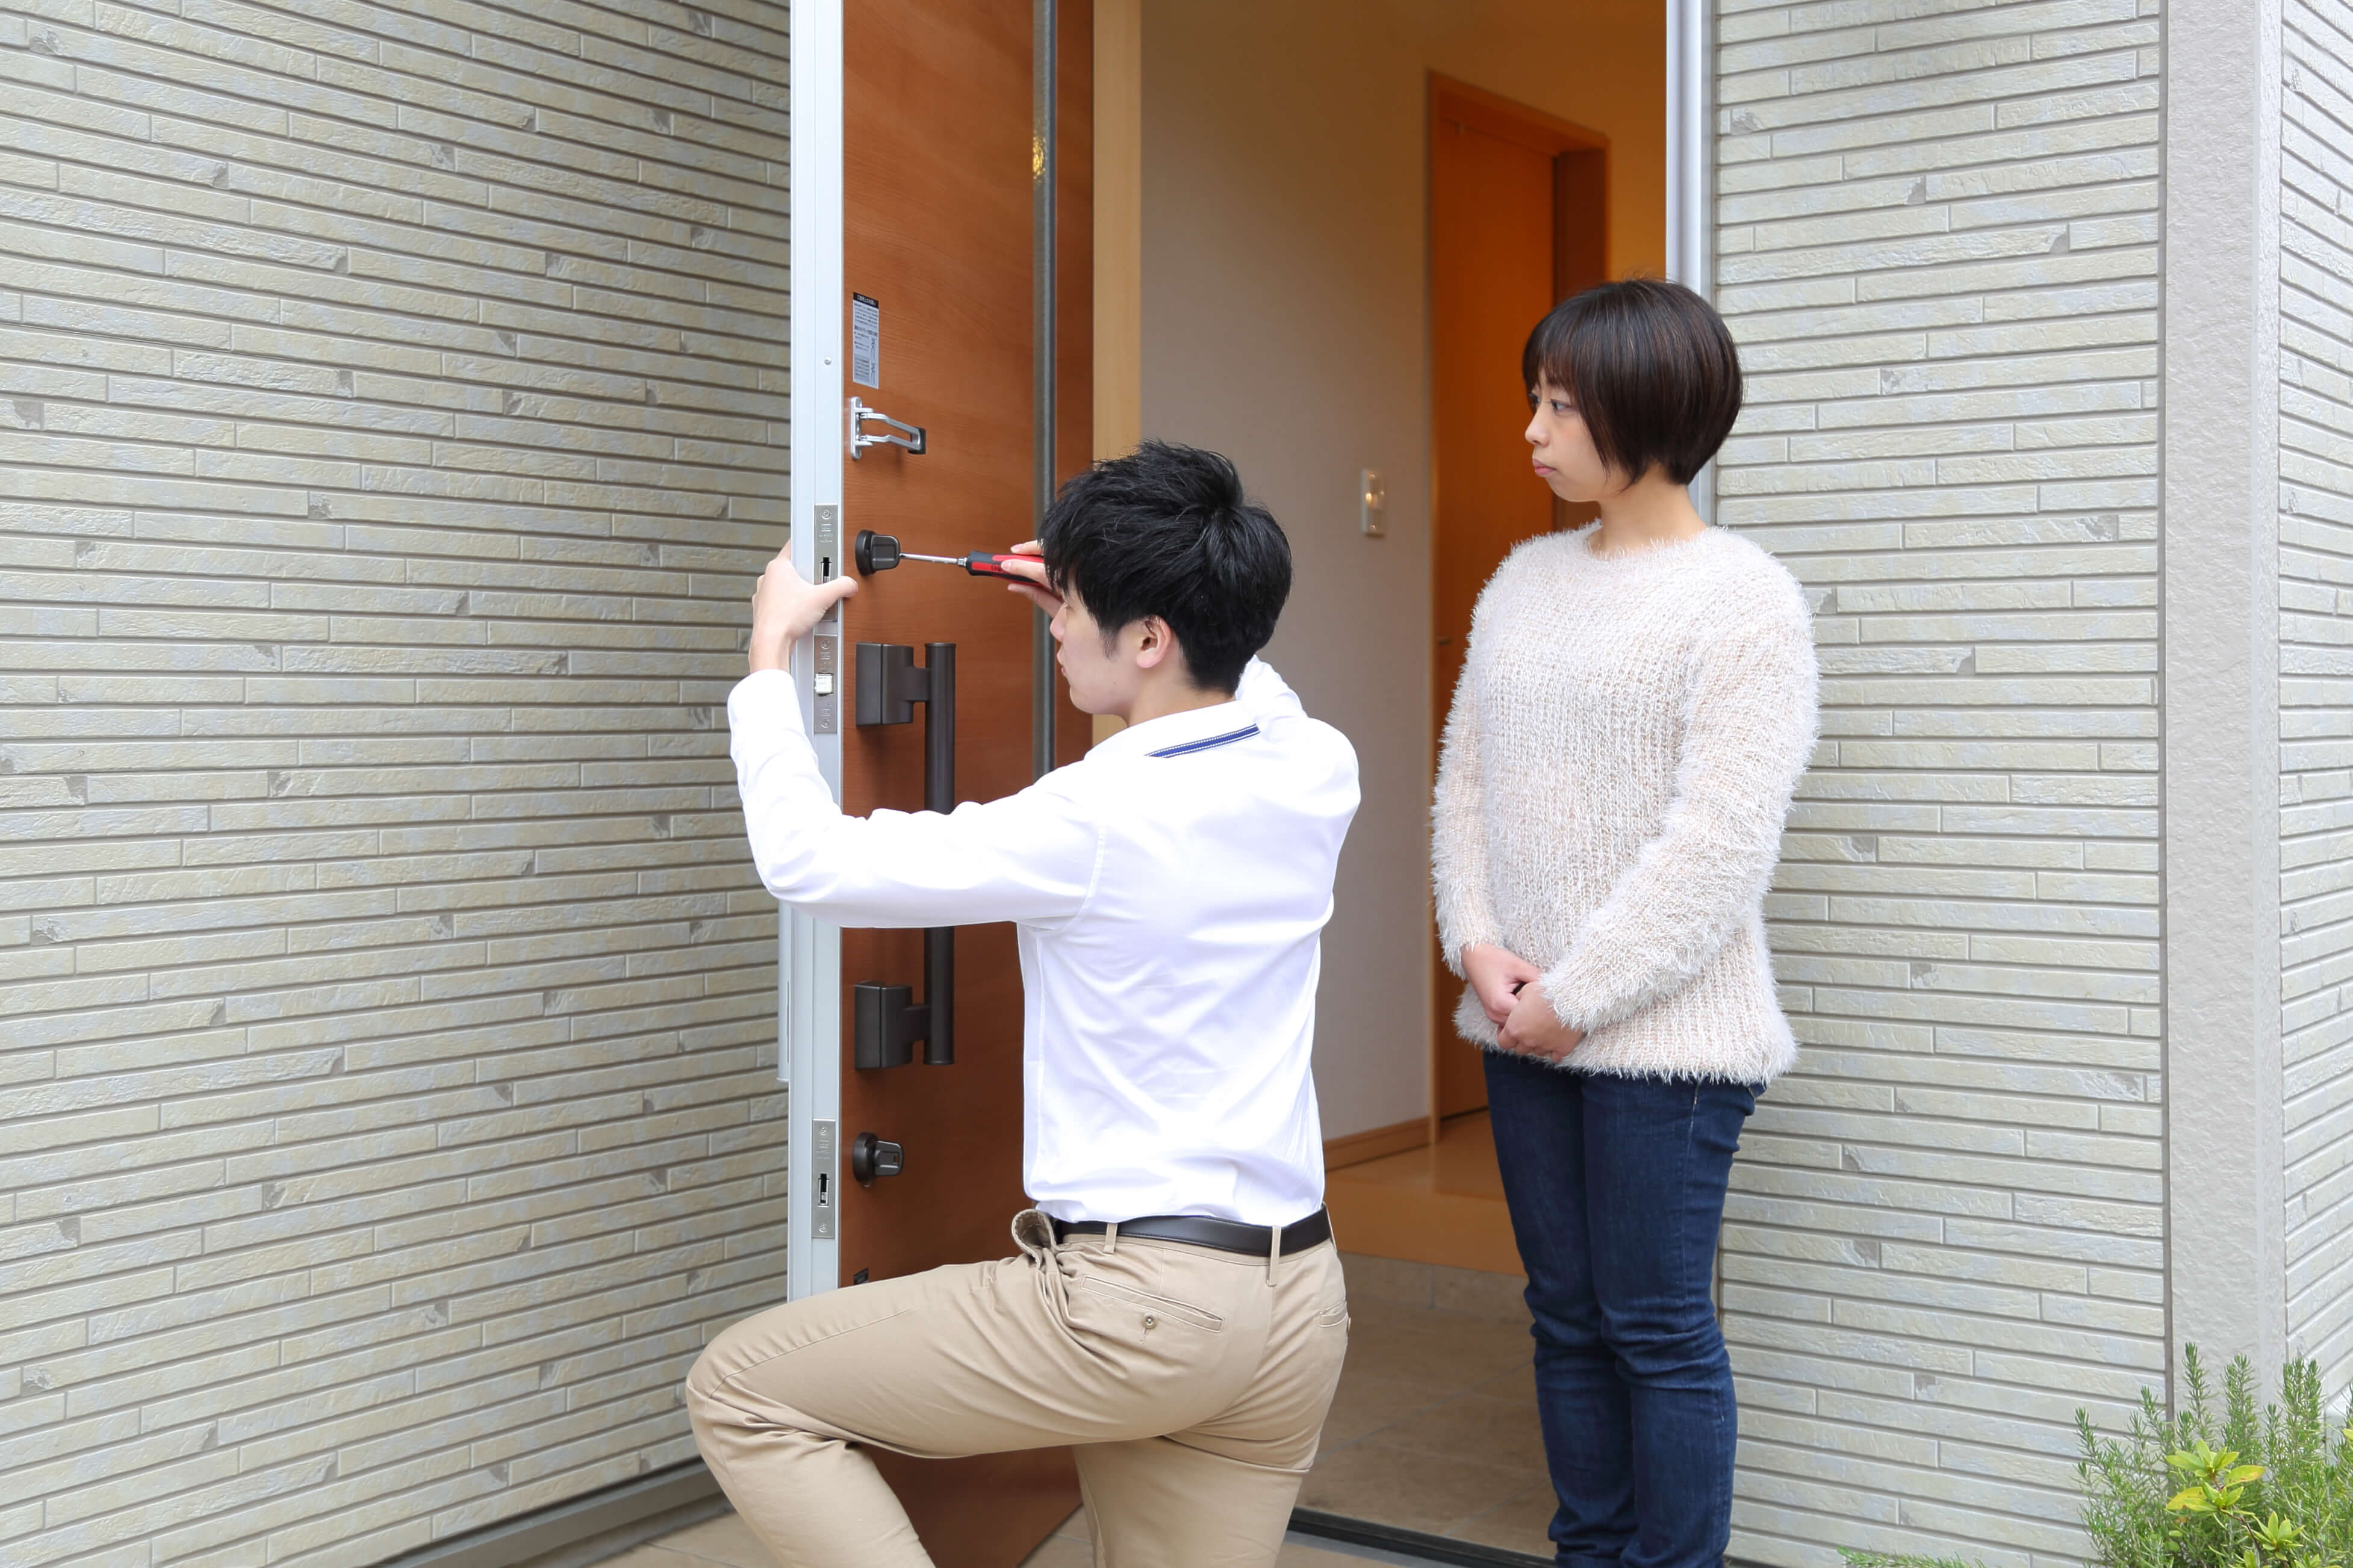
{"points": [[1650, 367], [1166, 532]]}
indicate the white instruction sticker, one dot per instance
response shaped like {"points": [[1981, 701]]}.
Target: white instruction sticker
{"points": [[865, 341]]}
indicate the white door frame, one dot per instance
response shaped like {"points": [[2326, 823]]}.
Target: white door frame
{"points": [[1690, 238], [1690, 250], [808, 951]]}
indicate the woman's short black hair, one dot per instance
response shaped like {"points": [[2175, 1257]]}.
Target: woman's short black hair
{"points": [[1166, 532], [1651, 368]]}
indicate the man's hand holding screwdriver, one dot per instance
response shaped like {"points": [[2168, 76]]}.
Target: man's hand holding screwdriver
{"points": [[786, 606], [1027, 566]]}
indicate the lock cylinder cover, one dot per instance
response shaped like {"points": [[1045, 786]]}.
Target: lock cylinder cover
{"points": [[871, 1156]]}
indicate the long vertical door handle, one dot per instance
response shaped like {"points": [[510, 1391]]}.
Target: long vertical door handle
{"points": [[939, 794], [888, 1020]]}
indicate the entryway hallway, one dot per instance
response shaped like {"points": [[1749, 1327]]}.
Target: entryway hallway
{"points": [[1439, 1201]]}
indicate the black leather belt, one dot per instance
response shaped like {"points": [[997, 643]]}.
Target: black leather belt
{"points": [[1225, 1235]]}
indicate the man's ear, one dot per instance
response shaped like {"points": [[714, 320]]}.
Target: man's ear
{"points": [[1154, 643]]}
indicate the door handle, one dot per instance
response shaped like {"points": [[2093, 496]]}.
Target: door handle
{"points": [[910, 437], [887, 1020], [870, 1157]]}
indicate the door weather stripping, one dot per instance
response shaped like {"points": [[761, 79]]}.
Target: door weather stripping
{"points": [[911, 436]]}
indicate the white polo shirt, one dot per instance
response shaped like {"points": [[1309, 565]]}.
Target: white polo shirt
{"points": [[1170, 890]]}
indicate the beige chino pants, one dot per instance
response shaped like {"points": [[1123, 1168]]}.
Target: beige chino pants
{"points": [[1192, 1381]]}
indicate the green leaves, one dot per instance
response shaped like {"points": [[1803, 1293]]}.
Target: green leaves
{"points": [[2275, 1534], [2248, 1486], [2222, 1484], [2251, 1486]]}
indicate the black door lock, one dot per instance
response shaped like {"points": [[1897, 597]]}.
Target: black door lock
{"points": [[870, 1157]]}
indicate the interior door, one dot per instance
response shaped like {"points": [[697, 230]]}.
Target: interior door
{"points": [[1516, 222], [937, 307]]}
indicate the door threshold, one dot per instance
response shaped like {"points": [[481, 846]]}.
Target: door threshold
{"points": [[1410, 1546]]}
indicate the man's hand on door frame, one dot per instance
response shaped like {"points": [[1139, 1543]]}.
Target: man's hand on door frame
{"points": [[786, 607]]}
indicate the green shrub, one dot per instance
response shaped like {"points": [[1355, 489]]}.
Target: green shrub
{"points": [[2241, 1488]]}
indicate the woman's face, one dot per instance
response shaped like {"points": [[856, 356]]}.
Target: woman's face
{"points": [[1563, 454]]}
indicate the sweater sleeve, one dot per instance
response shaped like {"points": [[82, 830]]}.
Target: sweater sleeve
{"points": [[1458, 839], [1750, 729]]}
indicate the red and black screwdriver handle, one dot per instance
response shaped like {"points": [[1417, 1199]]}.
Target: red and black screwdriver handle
{"points": [[879, 553], [981, 563]]}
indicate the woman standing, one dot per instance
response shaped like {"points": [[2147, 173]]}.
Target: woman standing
{"points": [[1636, 705]]}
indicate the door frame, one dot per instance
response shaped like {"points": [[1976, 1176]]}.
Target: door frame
{"points": [[1691, 172], [809, 951], [1462, 106]]}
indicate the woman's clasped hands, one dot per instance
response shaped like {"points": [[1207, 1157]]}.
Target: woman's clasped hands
{"points": [[1511, 990]]}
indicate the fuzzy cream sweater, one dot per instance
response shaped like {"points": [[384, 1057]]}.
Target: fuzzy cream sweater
{"points": [[1615, 770]]}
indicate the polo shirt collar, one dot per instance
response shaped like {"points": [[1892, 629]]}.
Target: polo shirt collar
{"points": [[1198, 729]]}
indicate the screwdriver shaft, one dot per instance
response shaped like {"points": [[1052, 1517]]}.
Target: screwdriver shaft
{"points": [[979, 563]]}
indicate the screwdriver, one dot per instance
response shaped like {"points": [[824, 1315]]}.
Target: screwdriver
{"points": [[881, 552]]}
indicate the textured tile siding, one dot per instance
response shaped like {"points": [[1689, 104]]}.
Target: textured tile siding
{"points": [[391, 415], [1938, 235], [2317, 675]]}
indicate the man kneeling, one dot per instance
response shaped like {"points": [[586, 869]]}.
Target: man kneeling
{"points": [[1175, 1310]]}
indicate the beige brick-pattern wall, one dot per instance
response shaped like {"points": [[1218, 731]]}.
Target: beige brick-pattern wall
{"points": [[391, 416], [1938, 247], [2316, 676]]}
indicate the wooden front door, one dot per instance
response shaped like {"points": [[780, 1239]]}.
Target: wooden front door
{"points": [[1516, 222], [938, 234]]}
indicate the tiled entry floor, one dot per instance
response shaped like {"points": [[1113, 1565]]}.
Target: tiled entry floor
{"points": [[1434, 1430], [1435, 1426]]}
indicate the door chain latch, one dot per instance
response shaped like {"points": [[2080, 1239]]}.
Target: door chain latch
{"points": [[909, 437]]}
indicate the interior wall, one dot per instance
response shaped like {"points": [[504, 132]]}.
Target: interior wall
{"points": [[1286, 324]]}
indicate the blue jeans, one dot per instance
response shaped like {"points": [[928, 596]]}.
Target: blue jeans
{"points": [[1616, 1187]]}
